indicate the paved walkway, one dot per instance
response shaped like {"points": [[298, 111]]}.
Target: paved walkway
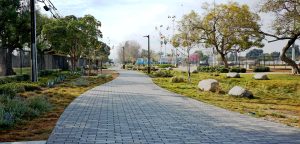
{"points": [[131, 109]]}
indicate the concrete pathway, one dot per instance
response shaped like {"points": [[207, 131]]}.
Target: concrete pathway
{"points": [[131, 109]]}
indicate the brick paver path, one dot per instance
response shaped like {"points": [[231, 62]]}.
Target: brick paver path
{"points": [[131, 109]]}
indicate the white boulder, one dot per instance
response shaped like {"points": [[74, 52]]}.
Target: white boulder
{"points": [[261, 76], [240, 92], [233, 75], [209, 85]]}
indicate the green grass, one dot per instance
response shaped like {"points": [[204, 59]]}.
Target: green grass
{"points": [[25, 70], [277, 99]]}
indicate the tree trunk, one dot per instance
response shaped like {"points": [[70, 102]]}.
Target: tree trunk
{"points": [[73, 63], [41, 61], [286, 59], [188, 66], [101, 64], [2, 61], [223, 57], [90, 67], [8, 63]]}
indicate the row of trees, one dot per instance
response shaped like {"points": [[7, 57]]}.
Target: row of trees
{"points": [[132, 51], [71, 36], [233, 27]]}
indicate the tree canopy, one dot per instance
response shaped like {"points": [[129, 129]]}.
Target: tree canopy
{"points": [[229, 27], [286, 25]]}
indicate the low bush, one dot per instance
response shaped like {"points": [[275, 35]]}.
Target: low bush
{"points": [[13, 110], [17, 78], [210, 69], [163, 73], [177, 79], [13, 88], [261, 69], [165, 65], [44, 73], [81, 82], [129, 67], [24, 77], [39, 104], [238, 70], [195, 71]]}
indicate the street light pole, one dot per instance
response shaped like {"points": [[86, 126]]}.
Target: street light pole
{"points": [[123, 57], [34, 70], [149, 65]]}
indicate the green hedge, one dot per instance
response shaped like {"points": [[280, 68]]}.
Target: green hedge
{"points": [[44, 73], [209, 69], [165, 65], [177, 79], [261, 69], [162, 73], [238, 70], [16, 78], [13, 88]]}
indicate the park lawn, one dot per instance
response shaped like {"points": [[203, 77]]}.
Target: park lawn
{"points": [[277, 99], [25, 70], [60, 97]]}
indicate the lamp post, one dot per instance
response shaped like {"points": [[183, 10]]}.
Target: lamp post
{"points": [[34, 70], [173, 18], [149, 66], [123, 57]]}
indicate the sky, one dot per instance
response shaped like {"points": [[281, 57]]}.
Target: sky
{"points": [[132, 19]]}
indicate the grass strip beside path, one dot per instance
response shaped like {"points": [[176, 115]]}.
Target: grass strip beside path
{"points": [[276, 100], [60, 97]]}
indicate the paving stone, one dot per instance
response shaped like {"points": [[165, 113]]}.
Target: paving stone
{"points": [[131, 109]]}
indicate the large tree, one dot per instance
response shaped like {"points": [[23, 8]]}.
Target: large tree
{"points": [[132, 50], [228, 27], [187, 37], [73, 36], [286, 25], [254, 54], [14, 31]]}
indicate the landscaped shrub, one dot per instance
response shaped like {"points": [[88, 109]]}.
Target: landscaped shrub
{"points": [[11, 89], [162, 73], [195, 71], [16, 78], [44, 73], [238, 70], [30, 86], [261, 69], [165, 66], [81, 82], [39, 104], [16, 109], [24, 77], [177, 79], [210, 69], [129, 67]]}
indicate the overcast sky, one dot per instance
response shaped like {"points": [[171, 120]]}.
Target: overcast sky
{"points": [[132, 19]]}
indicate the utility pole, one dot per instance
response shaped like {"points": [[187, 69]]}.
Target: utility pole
{"points": [[149, 58], [123, 57], [34, 70]]}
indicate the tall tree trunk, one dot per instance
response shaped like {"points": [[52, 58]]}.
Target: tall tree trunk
{"points": [[223, 57], [101, 64], [286, 59], [8, 63], [188, 66], [90, 67], [2, 61]]}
